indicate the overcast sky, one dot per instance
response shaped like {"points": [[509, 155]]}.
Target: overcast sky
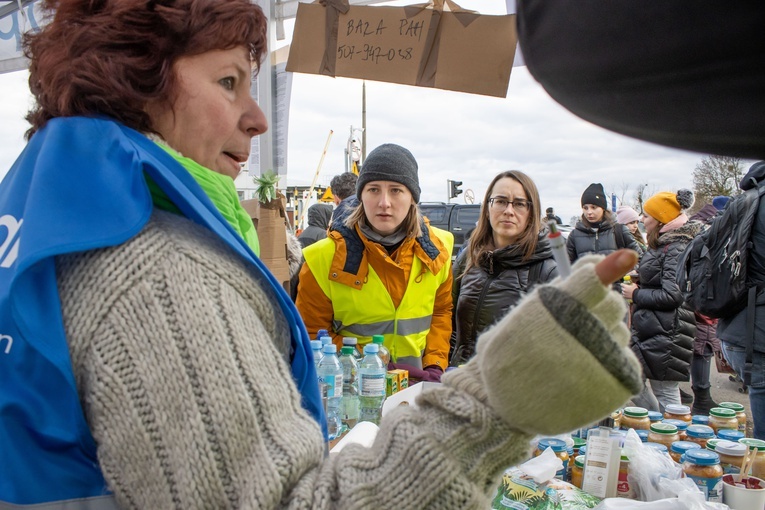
{"points": [[452, 135]]}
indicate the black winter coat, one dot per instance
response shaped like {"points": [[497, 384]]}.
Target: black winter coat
{"points": [[584, 240], [663, 327], [485, 293]]}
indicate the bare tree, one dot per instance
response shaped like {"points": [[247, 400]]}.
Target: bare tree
{"points": [[714, 176]]}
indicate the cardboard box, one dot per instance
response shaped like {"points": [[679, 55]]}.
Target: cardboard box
{"points": [[423, 45], [403, 378], [269, 221]]}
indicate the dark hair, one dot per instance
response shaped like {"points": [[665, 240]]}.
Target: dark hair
{"points": [[112, 57], [344, 185], [483, 235]]}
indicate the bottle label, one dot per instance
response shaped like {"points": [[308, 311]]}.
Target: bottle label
{"points": [[372, 385], [334, 385]]}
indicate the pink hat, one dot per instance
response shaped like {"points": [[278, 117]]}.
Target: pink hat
{"points": [[626, 214]]}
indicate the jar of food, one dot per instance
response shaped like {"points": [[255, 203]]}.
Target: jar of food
{"points": [[681, 425], [678, 448], [578, 443], [623, 488], [663, 433], [703, 467], [677, 412], [655, 416], [730, 435], [560, 449], [758, 469], [699, 419], [722, 418], [740, 413], [699, 434], [577, 472], [643, 434], [731, 456], [635, 418]]}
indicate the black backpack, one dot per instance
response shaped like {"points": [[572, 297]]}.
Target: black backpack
{"points": [[713, 269]]}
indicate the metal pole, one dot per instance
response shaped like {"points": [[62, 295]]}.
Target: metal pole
{"points": [[363, 121]]}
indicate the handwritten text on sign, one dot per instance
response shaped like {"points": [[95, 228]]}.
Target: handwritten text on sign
{"points": [[373, 47]]}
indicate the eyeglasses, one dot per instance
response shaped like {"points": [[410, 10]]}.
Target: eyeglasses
{"points": [[520, 205]]}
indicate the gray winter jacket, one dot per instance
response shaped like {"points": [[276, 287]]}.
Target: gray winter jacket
{"points": [[318, 222], [663, 327]]}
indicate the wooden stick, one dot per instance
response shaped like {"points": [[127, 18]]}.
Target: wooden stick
{"points": [[747, 465]]}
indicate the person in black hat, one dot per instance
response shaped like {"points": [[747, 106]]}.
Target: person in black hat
{"points": [[387, 228], [550, 216], [598, 232]]}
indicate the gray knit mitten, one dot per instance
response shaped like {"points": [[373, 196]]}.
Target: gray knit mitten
{"points": [[559, 360]]}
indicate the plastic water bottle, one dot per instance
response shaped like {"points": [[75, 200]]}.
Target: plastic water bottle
{"points": [[331, 383], [321, 333], [349, 405], [371, 385], [352, 341], [384, 353], [316, 349]]}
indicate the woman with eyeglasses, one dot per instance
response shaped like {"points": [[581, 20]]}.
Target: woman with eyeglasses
{"points": [[507, 255]]}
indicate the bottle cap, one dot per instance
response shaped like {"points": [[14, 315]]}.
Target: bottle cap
{"points": [[371, 349], [316, 345], [350, 340], [329, 349], [326, 339], [347, 350], [378, 339], [321, 333], [702, 457]]}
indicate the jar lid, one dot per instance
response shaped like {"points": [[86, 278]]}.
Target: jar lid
{"points": [[557, 445], [684, 446], [753, 443], [655, 416], [635, 412], [730, 434], [712, 443], [582, 450], [730, 448], [702, 457], [579, 461], [663, 428], [700, 431], [677, 409], [732, 405], [700, 419], [642, 434], [680, 424], [657, 446], [579, 442], [721, 412]]}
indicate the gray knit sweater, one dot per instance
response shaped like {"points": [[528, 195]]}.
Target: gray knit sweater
{"points": [[180, 359]]}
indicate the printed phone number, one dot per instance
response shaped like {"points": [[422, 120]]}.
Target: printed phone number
{"points": [[371, 53]]}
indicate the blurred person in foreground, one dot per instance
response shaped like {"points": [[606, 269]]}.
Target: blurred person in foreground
{"points": [[149, 360], [508, 255]]}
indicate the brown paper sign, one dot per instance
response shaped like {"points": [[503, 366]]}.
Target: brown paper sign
{"points": [[414, 45]]}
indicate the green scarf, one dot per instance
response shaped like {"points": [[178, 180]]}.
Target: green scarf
{"points": [[220, 188]]}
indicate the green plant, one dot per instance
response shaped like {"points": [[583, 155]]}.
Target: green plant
{"points": [[266, 186]]}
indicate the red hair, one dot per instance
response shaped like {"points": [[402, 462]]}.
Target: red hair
{"points": [[111, 57]]}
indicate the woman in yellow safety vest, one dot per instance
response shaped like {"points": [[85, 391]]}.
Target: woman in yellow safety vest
{"points": [[383, 271]]}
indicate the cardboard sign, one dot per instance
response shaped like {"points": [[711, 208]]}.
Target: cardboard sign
{"points": [[421, 45], [269, 221]]}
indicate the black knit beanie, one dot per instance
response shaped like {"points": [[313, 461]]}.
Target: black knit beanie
{"points": [[390, 162], [595, 195]]}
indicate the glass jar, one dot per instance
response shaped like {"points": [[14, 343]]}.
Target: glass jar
{"points": [[722, 418], [560, 449], [758, 469], [635, 418], [577, 472], [703, 467], [678, 448], [700, 419], [681, 425], [740, 413], [730, 435], [699, 434], [663, 433], [731, 456], [678, 412], [655, 416], [623, 488]]}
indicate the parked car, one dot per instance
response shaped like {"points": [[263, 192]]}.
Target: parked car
{"points": [[459, 219]]}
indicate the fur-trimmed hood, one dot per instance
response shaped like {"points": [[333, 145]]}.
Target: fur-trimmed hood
{"points": [[683, 233]]}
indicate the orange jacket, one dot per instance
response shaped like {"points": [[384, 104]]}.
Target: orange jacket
{"points": [[316, 308]]}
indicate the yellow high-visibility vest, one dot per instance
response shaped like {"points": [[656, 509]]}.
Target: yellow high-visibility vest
{"points": [[369, 310]]}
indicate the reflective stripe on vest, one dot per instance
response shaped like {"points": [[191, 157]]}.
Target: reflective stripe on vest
{"points": [[96, 503], [370, 311]]}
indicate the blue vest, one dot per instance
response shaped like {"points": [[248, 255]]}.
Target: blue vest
{"points": [[79, 185]]}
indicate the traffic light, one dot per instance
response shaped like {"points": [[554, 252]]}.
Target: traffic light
{"points": [[454, 187]]}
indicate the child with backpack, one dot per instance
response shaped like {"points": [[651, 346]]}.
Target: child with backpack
{"points": [[662, 327]]}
